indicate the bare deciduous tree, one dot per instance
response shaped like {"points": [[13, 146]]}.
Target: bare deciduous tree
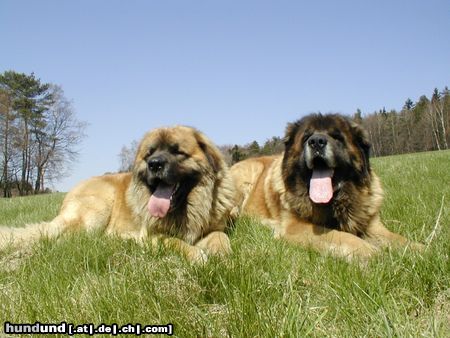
{"points": [[127, 155], [57, 139], [38, 133]]}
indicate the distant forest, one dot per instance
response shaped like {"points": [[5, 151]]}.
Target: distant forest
{"points": [[419, 126], [39, 134]]}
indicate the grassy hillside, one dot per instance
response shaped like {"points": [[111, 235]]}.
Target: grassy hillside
{"points": [[267, 288]]}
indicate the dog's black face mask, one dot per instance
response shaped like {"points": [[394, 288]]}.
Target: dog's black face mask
{"points": [[323, 151]]}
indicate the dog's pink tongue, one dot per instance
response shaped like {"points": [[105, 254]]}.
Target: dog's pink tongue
{"points": [[159, 202], [320, 186]]}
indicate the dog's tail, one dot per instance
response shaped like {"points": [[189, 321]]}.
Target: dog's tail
{"points": [[30, 233]]}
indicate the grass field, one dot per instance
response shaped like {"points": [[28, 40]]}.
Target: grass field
{"points": [[267, 288]]}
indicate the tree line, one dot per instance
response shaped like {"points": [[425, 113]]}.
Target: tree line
{"points": [[419, 126], [39, 134]]}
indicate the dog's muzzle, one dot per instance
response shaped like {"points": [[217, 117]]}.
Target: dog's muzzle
{"points": [[318, 152], [157, 164], [317, 143]]}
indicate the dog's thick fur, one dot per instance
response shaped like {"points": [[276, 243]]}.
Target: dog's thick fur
{"points": [[186, 165], [277, 189]]}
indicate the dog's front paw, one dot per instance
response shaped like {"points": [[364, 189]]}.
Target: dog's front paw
{"points": [[197, 255]]}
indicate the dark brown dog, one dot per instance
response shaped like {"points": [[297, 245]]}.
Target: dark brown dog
{"points": [[321, 191]]}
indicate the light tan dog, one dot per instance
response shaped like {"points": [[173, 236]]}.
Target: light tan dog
{"points": [[180, 193], [321, 191]]}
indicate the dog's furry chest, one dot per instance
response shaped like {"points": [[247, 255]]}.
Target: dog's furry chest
{"points": [[323, 214], [339, 215], [335, 215]]}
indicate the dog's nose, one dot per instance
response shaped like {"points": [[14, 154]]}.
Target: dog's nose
{"points": [[317, 141], [156, 164]]}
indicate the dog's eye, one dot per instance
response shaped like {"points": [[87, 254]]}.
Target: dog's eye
{"points": [[151, 150], [306, 136], [175, 150], [179, 152], [337, 136]]}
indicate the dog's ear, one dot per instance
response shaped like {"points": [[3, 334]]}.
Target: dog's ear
{"points": [[293, 129], [211, 152], [289, 135], [361, 137]]}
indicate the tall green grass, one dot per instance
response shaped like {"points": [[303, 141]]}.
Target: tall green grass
{"points": [[266, 288]]}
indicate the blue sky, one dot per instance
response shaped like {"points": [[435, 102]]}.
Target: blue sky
{"points": [[237, 70]]}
